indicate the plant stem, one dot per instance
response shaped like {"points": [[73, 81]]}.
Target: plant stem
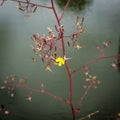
{"points": [[71, 90], [60, 29], [68, 1], [2, 2], [64, 55], [93, 61]]}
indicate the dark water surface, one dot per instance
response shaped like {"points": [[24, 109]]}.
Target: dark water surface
{"points": [[102, 22]]}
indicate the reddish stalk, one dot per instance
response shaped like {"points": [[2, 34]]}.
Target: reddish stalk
{"points": [[64, 55], [83, 96], [60, 29], [69, 72], [64, 10], [2, 2], [70, 90], [93, 61], [42, 91]]}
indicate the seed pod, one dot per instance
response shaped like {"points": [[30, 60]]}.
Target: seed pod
{"points": [[55, 55], [42, 59], [82, 19], [35, 9], [55, 48], [68, 44], [20, 8], [81, 30], [51, 45], [77, 20], [56, 28]]}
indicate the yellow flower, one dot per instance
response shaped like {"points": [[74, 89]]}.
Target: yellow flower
{"points": [[60, 61]]}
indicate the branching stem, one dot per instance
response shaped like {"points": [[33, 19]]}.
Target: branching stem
{"points": [[64, 54], [93, 61], [70, 73]]}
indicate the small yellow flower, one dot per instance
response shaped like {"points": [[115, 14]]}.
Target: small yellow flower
{"points": [[60, 61]]}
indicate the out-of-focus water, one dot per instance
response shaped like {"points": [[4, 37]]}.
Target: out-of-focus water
{"points": [[102, 22]]}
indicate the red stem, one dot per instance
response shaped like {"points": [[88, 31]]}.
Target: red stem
{"points": [[2, 2], [83, 96], [68, 1], [64, 55], [59, 24], [69, 72], [92, 61], [43, 92], [70, 91]]}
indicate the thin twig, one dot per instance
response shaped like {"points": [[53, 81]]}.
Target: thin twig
{"points": [[89, 115], [92, 61], [83, 96], [42, 91], [68, 1], [2, 2]]}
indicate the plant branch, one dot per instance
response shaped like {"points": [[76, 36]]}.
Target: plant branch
{"points": [[64, 55], [93, 61], [70, 91], [67, 3], [89, 115], [42, 91], [83, 96], [60, 29], [2, 2]]}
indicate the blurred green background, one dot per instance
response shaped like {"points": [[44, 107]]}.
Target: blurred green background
{"points": [[102, 23]]}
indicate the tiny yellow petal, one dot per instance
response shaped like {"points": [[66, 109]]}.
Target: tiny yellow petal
{"points": [[60, 61], [59, 64]]}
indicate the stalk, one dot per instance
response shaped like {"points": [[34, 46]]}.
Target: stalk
{"points": [[66, 64]]}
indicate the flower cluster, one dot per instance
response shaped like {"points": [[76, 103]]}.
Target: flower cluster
{"points": [[48, 48], [79, 29], [26, 7], [103, 47], [7, 83], [116, 62], [90, 79]]}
